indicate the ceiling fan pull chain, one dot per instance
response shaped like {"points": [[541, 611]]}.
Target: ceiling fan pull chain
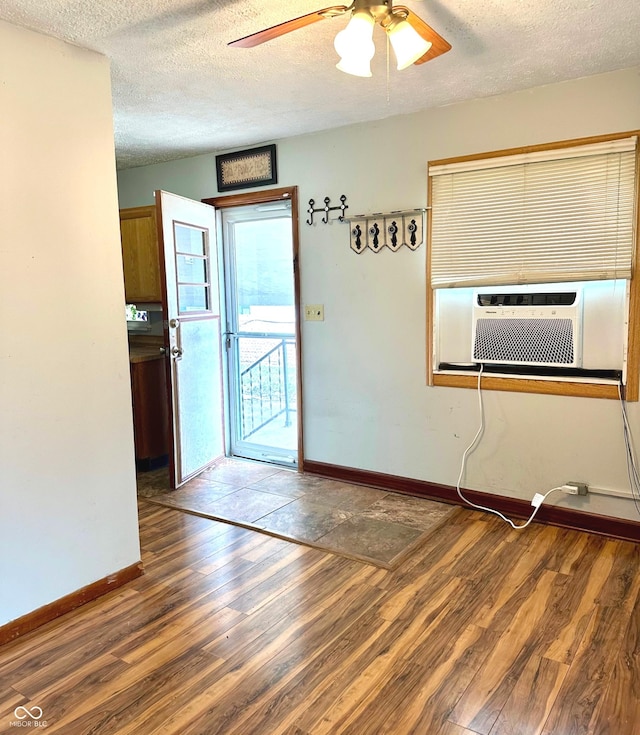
{"points": [[388, 82]]}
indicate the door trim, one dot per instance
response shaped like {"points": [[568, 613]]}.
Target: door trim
{"points": [[264, 196]]}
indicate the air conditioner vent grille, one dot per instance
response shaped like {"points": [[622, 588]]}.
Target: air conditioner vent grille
{"points": [[544, 341]]}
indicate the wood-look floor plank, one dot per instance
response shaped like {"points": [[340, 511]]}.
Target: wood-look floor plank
{"points": [[9, 700], [74, 695], [269, 692], [455, 665], [197, 555], [607, 660], [483, 700], [619, 709], [268, 546], [515, 583], [59, 645], [83, 641], [196, 545], [226, 583], [588, 574], [492, 540], [230, 701], [166, 528], [623, 582], [260, 573], [264, 689], [410, 698], [136, 690], [588, 676], [28, 652], [528, 706], [458, 664], [337, 681], [408, 599], [363, 682], [337, 573], [575, 546], [483, 630], [558, 555], [322, 678], [253, 548], [205, 620], [448, 728], [441, 550], [290, 568]]}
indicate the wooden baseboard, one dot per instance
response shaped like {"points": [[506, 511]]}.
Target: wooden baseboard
{"points": [[578, 520], [53, 610]]}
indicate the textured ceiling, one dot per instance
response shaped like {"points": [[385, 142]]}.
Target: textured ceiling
{"points": [[179, 90]]}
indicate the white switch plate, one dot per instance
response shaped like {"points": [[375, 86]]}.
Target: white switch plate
{"points": [[314, 312]]}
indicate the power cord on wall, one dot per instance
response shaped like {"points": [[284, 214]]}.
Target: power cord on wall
{"points": [[537, 500], [632, 466]]}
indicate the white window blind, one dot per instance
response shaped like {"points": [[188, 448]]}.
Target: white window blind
{"points": [[542, 217]]}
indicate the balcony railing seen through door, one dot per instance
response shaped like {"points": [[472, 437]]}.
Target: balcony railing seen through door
{"points": [[267, 385]]}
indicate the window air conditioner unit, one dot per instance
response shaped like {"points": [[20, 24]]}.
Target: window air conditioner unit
{"points": [[519, 327]]}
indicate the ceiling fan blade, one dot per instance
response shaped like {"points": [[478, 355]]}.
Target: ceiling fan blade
{"points": [[268, 34], [438, 44]]}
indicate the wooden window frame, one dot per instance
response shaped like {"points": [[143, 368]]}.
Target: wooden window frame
{"points": [[529, 384]]}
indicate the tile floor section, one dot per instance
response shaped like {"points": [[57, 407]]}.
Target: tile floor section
{"points": [[365, 523]]}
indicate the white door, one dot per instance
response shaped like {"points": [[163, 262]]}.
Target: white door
{"points": [[192, 334]]}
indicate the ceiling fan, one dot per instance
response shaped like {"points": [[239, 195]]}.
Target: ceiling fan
{"points": [[413, 41]]}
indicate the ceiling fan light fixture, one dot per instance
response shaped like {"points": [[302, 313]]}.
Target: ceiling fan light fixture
{"points": [[355, 67], [408, 45], [355, 45]]}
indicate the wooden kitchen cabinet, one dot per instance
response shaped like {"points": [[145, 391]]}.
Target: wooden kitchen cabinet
{"points": [[140, 254], [150, 412]]}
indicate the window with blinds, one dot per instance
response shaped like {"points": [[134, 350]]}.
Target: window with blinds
{"points": [[547, 216]]}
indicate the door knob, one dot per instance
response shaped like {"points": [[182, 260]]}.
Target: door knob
{"points": [[176, 351]]}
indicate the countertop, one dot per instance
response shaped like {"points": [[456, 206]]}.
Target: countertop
{"points": [[144, 353]]}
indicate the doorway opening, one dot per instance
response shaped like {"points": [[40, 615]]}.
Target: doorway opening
{"points": [[260, 333], [258, 243]]}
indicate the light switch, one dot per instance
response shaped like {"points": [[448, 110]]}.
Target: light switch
{"points": [[314, 312]]}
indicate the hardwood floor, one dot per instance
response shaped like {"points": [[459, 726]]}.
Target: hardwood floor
{"points": [[484, 630]]}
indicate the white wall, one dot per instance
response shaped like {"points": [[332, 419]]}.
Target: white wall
{"points": [[366, 402], [67, 480]]}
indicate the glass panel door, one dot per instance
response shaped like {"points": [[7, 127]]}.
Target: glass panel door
{"points": [[261, 342]]}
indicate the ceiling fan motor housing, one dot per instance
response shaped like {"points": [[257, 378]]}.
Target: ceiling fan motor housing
{"points": [[379, 9]]}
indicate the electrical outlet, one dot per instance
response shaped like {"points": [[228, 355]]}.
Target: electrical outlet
{"points": [[314, 312], [575, 488]]}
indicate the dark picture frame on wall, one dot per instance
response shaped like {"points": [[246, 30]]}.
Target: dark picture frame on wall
{"points": [[244, 169]]}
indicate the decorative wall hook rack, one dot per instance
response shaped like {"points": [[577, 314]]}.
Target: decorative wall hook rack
{"points": [[326, 209], [391, 230]]}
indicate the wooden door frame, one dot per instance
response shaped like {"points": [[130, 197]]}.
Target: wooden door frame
{"points": [[264, 196]]}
